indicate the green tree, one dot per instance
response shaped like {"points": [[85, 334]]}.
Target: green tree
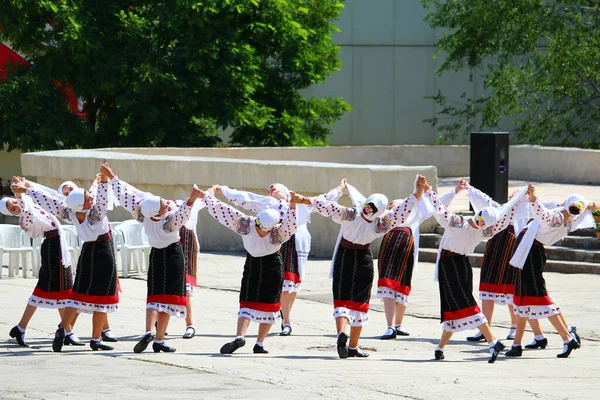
{"points": [[540, 60], [168, 73]]}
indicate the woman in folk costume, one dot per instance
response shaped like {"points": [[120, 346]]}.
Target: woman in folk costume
{"points": [[64, 190], [95, 287], [262, 279], [294, 252], [352, 267], [55, 281], [531, 298], [166, 282], [459, 310], [191, 248], [398, 256]]}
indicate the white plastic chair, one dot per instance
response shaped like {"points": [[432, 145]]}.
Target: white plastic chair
{"points": [[15, 242], [114, 224], [118, 244], [135, 243]]}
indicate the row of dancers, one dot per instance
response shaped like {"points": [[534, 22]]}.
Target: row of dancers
{"points": [[277, 242]]}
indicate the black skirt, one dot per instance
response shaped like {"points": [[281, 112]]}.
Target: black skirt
{"points": [[166, 277], [289, 258], [55, 282], [497, 275], [190, 254], [396, 260], [456, 292], [95, 284], [352, 276], [261, 283], [530, 285]]}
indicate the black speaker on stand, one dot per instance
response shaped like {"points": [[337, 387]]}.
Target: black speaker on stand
{"points": [[489, 164]]}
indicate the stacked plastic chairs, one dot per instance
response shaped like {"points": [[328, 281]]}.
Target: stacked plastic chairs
{"points": [[15, 242], [134, 247]]}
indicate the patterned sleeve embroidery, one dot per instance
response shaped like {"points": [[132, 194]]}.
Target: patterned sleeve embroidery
{"points": [[127, 198], [169, 224], [383, 224], [93, 217], [138, 215], [488, 232], [556, 219], [348, 214], [276, 237], [456, 221], [401, 213], [101, 205], [550, 218], [243, 225], [49, 203], [65, 213]]}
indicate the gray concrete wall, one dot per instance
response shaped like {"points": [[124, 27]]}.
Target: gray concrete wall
{"points": [[172, 176]]}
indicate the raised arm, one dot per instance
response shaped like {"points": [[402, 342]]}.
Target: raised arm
{"points": [[248, 200], [227, 215], [442, 214], [50, 203], [545, 216], [286, 229], [332, 209], [126, 196], [176, 220], [480, 200]]}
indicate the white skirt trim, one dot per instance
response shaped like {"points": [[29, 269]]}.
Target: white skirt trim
{"points": [[387, 293], [356, 318], [290, 287], [90, 308], [499, 298], [463, 324], [46, 303], [171, 309], [537, 312], [190, 289], [261, 317]]}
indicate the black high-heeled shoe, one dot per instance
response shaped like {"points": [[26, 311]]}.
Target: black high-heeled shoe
{"points": [[573, 345], [18, 336], [439, 355], [496, 349], [515, 351], [158, 347], [538, 344], [98, 345]]}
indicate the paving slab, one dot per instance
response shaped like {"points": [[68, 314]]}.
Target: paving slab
{"points": [[304, 365]]}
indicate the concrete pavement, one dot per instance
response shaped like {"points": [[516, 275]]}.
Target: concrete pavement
{"points": [[302, 366]]}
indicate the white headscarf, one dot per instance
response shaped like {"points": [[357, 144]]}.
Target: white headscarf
{"points": [[577, 201], [268, 218], [288, 194], [66, 183], [150, 207], [378, 200], [75, 200], [487, 216], [4, 206]]}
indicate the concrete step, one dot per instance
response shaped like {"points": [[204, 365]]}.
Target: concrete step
{"points": [[565, 267], [579, 242]]}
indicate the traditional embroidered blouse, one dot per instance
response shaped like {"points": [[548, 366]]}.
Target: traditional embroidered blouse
{"points": [[36, 225], [95, 223], [459, 236], [552, 223], [245, 226], [356, 229], [161, 232]]}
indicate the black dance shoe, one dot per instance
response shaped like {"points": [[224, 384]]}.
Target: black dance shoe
{"points": [[142, 344], [229, 348], [98, 345], [286, 330], [439, 355], [342, 349], [515, 351], [495, 351], [390, 336], [573, 330], [573, 345], [401, 332], [59, 340], [357, 353], [537, 344], [108, 338], [18, 336], [259, 350], [69, 340], [190, 332], [158, 347], [476, 338]]}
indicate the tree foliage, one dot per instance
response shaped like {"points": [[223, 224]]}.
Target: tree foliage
{"points": [[168, 73], [540, 60]]}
